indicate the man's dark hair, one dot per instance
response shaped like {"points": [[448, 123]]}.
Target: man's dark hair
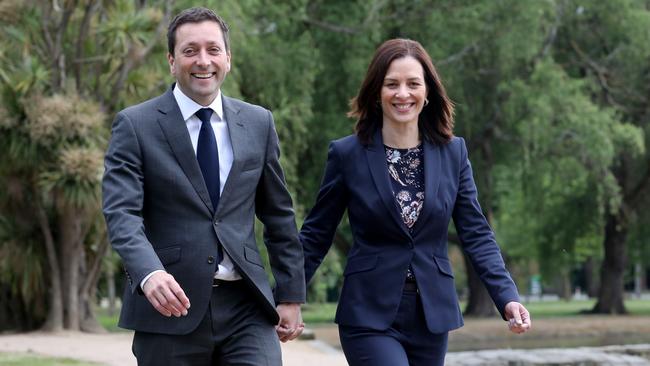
{"points": [[195, 15]]}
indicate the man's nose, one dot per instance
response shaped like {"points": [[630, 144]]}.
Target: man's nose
{"points": [[203, 59]]}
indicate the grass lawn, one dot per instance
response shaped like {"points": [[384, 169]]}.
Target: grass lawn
{"points": [[109, 321], [554, 309], [24, 359], [324, 313]]}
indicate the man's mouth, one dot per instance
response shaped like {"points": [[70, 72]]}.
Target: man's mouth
{"points": [[206, 75]]}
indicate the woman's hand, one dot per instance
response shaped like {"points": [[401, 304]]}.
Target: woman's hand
{"points": [[518, 317]]}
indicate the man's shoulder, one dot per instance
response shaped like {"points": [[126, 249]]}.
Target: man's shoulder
{"points": [[147, 107], [244, 107]]}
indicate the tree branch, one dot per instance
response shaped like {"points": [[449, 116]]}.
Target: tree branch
{"points": [[58, 56], [331, 27], [90, 9], [371, 17], [50, 249], [552, 33], [601, 74], [458, 55], [136, 55]]}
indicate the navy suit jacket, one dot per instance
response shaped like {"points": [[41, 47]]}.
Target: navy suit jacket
{"points": [[356, 178]]}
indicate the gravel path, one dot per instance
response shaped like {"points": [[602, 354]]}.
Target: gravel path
{"points": [[114, 349]]}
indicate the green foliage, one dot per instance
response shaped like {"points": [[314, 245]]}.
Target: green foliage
{"points": [[567, 151], [327, 279]]}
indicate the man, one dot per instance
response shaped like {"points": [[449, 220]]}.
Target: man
{"points": [[186, 174]]}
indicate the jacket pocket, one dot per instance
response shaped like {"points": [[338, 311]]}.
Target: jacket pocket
{"points": [[444, 266], [360, 264], [169, 255], [253, 256]]}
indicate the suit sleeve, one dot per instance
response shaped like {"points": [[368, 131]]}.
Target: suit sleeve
{"points": [[478, 239], [317, 232], [123, 196], [274, 208]]}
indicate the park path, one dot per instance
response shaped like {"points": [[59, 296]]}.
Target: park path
{"points": [[114, 349]]}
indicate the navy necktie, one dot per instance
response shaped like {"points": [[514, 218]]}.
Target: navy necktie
{"points": [[207, 154]]}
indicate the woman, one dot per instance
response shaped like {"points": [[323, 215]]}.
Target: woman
{"points": [[401, 177]]}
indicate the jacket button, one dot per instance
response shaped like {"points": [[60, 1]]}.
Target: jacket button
{"points": [[210, 259]]}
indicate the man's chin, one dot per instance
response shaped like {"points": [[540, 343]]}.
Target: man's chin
{"points": [[205, 94]]}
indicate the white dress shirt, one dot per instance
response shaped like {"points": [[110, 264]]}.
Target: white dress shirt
{"points": [[226, 269]]}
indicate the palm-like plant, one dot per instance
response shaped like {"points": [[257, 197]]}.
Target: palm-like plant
{"points": [[66, 67]]}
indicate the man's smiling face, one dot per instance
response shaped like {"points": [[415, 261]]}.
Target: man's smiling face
{"points": [[200, 61]]}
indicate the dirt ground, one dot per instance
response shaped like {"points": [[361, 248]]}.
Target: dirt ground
{"points": [[594, 330], [115, 348]]}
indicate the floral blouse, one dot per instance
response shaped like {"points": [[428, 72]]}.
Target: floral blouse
{"points": [[406, 169]]}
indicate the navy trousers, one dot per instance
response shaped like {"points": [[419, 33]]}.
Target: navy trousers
{"points": [[408, 342], [234, 331]]}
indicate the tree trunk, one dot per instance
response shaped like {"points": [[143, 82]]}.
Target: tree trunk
{"points": [[639, 283], [479, 303], [610, 296], [110, 285], [54, 320], [591, 280], [70, 229], [565, 285], [88, 319]]}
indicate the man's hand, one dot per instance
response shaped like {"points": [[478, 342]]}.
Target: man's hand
{"points": [[518, 317], [290, 325], [166, 295]]}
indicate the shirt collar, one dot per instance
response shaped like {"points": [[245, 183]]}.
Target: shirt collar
{"points": [[188, 107]]}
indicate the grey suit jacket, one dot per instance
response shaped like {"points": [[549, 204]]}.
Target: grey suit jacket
{"points": [[159, 214]]}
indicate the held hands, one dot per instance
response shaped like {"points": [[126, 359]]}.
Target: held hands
{"points": [[290, 325], [518, 317], [166, 295]]}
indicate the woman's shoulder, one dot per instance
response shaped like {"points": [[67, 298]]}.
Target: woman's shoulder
{"points": [[346, 143], [455, 143], [455, 147]]}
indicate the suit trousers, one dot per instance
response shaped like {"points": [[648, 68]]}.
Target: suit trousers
{"points": [[233, 332], [408, 341]]}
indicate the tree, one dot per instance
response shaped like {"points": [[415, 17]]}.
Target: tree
{"points": [[612, 57], [66, 67]]}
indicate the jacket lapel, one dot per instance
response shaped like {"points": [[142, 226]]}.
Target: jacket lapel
{"points": [[173, 126], [379, 170], [431, 181], [238, 141]]}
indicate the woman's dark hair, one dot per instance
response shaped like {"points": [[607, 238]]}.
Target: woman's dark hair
{"points": [[195, 15], [436, 121]]}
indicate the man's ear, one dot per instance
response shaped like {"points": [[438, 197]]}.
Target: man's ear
{"points": [[172, 63]]}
